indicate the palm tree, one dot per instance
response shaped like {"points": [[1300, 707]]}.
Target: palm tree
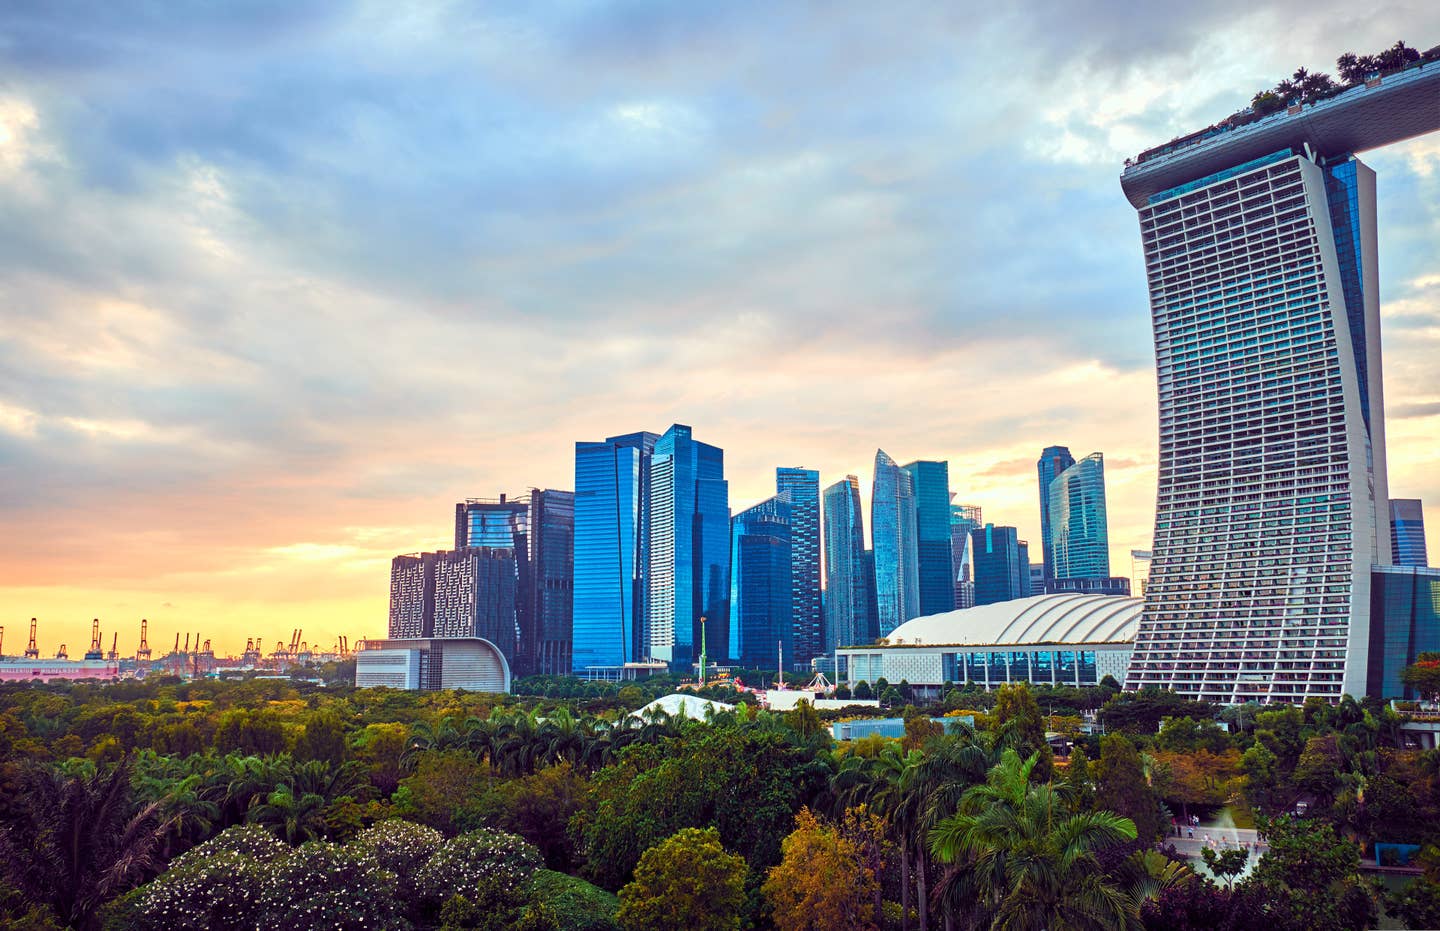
{"points": [[80, 840], [294, 818], [1025, 861]]}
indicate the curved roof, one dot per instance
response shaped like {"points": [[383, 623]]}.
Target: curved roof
{"points": [[678, 704], [1063, 618]]}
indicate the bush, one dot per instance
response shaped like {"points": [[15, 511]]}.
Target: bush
{"points": [[461, 863], [399, 846], [578, 905]]}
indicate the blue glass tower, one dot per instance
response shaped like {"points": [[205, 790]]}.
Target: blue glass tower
{"points": [[893, 532], [1407, 532], [1000, 572], [1053, 461], [935, 567], [612, 489], [761, 573], [963, 519], [1079, 531], [848, 576], [801, 487], [689, 566]]}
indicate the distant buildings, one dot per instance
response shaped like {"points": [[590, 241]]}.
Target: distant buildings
{"points": [[801, 487], [545, 630], [1407, 532], [1053, 461], [1404, 622], [1079, 544], [935, 561], [893, 533], [469, 592], [1001, 573], [426, 664], [963, 519], [761, 584], [849, 576]]}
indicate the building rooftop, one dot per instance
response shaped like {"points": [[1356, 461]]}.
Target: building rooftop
{"points": [[1064, 618], [1380, 112]]}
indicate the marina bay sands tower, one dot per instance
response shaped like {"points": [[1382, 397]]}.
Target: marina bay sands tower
{"points": [[1272, 509]]}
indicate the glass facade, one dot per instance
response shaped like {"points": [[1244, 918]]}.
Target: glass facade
{"points": [[1079, 532], [1404, 622], [893, 534], [1000, 575], [612, 485], [1053, 461], [802, 488], [847, 580], [935, 567], [1271, 502], [546, 626], [689, 558], [761, 578], [963, 519], [496, 524], [1407, 533]]}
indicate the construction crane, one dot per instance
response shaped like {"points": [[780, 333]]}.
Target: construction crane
{"points": [[32, 651], [95, 651], [113, 656], [142, 652], [61, 654]]}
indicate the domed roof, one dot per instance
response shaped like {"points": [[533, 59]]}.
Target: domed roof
{"points": [[1062, 618]]}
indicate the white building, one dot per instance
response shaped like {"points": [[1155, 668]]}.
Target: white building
{"points": [[432, 664], [1064, 639]]}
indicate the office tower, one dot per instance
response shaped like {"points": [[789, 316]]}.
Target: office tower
{"points": [[689, 569], [412, 595], [847, 581], [802, 488], [612, 523], [1053, 461], [935, 566], [491, 522], [1140, 571], [963, 519], [1260, 238], [1404, 622], [893, 533], [761, 578], [1079, 545], [1407, 532], [1022, 547], [546, 632], [1000, 572], [475, 596], [872, 611], [1035, 571]]}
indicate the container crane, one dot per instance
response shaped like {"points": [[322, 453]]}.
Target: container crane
{"points": [[61, 654], [113, 655], [95, 651], [143, 651], [32, 652]]}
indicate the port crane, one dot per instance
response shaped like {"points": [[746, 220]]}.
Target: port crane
{"points": [[32, 651]]}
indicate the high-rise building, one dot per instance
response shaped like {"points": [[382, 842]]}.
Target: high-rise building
{"points": [[893, 534], [1260, 250], [612, 524], [1140, 570], [1053, 461], [801, 487], [546, 631], [496, 523], [1027, 577], [1000, 572], [872, 617], [1407, 532], [847, 579], [1404, 622], [412, 595], [935, 565], [689, 567], [1079, 544], [963, 519], [475, 596], [761, 577]]}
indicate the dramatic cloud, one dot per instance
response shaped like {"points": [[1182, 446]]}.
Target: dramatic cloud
{"points": [[280, 281]]}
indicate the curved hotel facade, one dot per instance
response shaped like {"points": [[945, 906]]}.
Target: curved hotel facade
{"points": [[1272, 508]]}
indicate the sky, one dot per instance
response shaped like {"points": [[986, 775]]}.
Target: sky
{"points": [[281, 281]]}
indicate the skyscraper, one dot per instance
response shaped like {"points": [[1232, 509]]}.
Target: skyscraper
{"points": [[963, 519], [491, 522], [412, 595], [1260, 249], [893, 533], [847, 579], [1407, 532], [1079, 535], [546, 633], [1001, 574], [761, 576], [689, 559], [801, 487], [612, 523], [935, 565], [475, 596], [1053, 461]]}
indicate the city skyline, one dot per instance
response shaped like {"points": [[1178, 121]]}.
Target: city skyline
{"points": [[211, 414]]}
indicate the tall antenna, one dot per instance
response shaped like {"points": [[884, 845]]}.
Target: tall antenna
{"points": [[143, 651], [32, 651]]}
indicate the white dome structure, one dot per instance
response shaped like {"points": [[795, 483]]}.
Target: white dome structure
{"points": [[1062, 618]]}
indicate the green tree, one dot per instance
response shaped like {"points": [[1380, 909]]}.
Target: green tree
{"points": [[1020, 727], [1079, 781], [446, 791], [821, 881], [1121, 787], [688, 882], [323, 738], [1309, 878], [863, 692], [1226, 864]]}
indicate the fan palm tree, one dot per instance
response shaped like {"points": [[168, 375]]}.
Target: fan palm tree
{"points": [[292, 817], [1025, 860]]}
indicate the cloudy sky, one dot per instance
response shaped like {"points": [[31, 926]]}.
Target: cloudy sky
{"points": [[281, 281]]}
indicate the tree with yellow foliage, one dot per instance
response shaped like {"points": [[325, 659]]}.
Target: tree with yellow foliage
{"points": [[822, 881]]}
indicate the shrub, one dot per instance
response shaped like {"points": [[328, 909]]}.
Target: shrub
{"points": [[578, 905], [461, 863]]}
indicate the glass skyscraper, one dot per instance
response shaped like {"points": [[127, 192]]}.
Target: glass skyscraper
{"points": [[801, 487], [1001, 572], [612, 514], [546, 632], [1260, 239], [1407, 532], [1079, 536], [893, 533], [848, 576], [761, 577], [1053, 461], [491, 522], [1404, 622], [935, 566], [689, 558], [963, 519]]}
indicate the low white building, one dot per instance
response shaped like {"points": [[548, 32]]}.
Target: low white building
{"points": [[1062, 639], [432, 664]]}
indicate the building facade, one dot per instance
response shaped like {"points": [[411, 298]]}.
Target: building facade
{"points": [[1404, 622], [612, 513], [1407, 532], [1079, 544], [893, 535], [546, 631], [424, 664], [847, 579], [1000, 572], [935, 562], [963, 519], [495, 523], [761, 579], [412, 595], [689, 560], [475, 596], [1053, 461], [801, 487]]}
